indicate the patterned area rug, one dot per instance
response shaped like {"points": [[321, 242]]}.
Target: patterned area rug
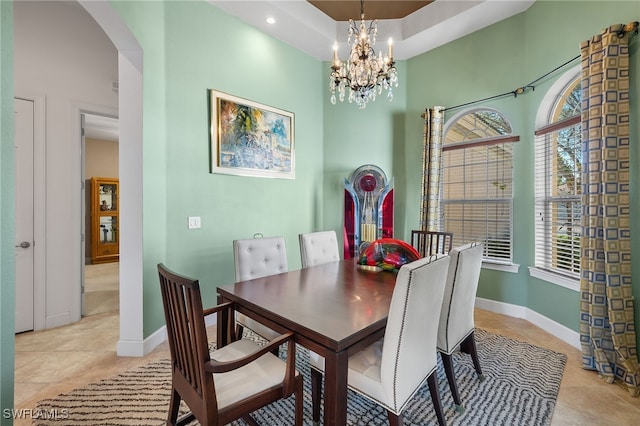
{"points": [[521, 387]]}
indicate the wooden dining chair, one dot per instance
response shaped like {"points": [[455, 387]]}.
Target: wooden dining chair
{"points": [[456, 325], [256, 258], [429, 243], [229, 383], [317, 248], [390, 371]]}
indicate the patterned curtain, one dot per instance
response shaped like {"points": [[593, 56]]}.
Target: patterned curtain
{"points": [[607, 331], [432, 151]]}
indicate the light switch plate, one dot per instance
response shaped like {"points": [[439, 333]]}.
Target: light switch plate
{"points": [[194, 222]]}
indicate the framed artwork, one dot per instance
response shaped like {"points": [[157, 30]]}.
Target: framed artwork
{"points": [[250, 139]]}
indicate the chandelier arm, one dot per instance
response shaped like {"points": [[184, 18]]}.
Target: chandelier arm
{"points": [[373, 26]]}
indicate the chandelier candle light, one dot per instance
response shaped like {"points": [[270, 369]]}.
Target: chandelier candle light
{"points": [[365, 74]]}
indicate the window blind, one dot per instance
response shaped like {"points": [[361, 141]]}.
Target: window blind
{"points": [[558, 168], [477, 196]]}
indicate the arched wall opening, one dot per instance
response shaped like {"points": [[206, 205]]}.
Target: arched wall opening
{"points": [[130, 68]]}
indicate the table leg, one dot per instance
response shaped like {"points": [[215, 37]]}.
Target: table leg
{"points": [[222, 326], [335, 388]]}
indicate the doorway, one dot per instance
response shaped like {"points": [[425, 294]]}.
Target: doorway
{"points": [[100, 158]]}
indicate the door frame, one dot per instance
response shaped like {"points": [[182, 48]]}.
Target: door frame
{"points": [[77, 111]]}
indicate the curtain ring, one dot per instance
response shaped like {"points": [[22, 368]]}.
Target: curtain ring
{"points": [[631, 26]]}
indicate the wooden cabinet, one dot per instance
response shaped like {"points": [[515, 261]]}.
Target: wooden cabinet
{"points": [[105, 220]]}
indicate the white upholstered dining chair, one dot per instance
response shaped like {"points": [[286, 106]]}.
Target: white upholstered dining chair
{"points": [[257, 258], [317, 248], [456, 326], [390, 371]]}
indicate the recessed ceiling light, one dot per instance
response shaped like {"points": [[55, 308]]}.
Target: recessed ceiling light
{"points": [[271, 20]]}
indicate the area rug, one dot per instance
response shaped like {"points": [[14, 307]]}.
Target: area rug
{"points": [[521, 387]]}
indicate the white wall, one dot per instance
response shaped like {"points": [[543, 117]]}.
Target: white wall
{"points": [[62, 54]]}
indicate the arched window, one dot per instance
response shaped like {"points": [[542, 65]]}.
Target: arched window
{"points": [[476, 198], [558, 163]]}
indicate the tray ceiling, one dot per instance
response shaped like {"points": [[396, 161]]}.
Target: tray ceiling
{"points": [[347, 9], [424, 25]]}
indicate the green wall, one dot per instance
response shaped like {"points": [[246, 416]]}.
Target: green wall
{"points": [[354, 137], [190, 47], [7, 212], [495, 60]]}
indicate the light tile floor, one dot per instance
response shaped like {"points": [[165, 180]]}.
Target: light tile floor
{"points": [[101, 288], [55, 361]]}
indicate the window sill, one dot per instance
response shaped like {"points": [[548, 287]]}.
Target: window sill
{"points": [[557, 279], [504, 267]]}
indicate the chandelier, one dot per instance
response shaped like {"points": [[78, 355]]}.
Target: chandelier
{"points": [[365, 74]]}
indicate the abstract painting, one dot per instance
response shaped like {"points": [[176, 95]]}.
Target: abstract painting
{"points": [[250, 139]]}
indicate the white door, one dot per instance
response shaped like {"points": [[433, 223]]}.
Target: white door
{"points": [[24, 213]]}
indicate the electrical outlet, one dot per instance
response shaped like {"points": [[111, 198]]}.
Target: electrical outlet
{"points": [[194, 222]]}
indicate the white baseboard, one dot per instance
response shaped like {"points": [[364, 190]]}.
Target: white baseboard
{"points": [[140, 348], [560, 331], [58, 320], [130, 348]]}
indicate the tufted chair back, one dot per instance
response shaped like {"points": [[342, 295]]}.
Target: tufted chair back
{"points": [[409, 353], [317, 248], [259, 257], [256, 258]]}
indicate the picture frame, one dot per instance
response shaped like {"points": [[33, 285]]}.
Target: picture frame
{"points": [[250, 139]]}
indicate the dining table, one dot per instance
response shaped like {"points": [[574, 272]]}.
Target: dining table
{"points": [[335, 309]]}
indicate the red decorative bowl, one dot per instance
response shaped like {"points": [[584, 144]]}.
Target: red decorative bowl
{"points": [[388, 254]]}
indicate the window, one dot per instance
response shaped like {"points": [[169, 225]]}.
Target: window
{"points": [[476, 194], [558, 159]]}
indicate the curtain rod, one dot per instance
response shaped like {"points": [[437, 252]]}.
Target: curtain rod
{"points": [[624, 29], [519, 91]]}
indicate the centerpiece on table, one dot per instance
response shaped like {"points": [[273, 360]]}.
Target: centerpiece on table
{"points": [[386, 254]]}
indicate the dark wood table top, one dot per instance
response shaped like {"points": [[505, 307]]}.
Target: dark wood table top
{"points": [[335, 305]]}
